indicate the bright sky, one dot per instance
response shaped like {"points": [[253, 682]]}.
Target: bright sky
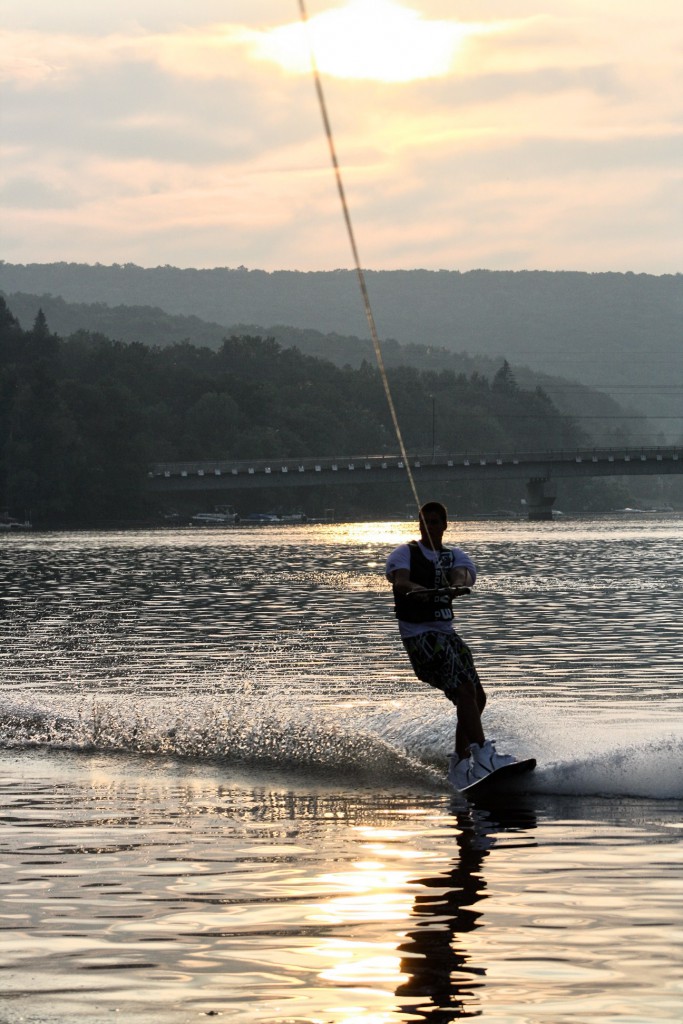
{"points": [[499, 134]]}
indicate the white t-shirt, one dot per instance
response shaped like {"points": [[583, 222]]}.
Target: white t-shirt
{"points": [[448, 558]]}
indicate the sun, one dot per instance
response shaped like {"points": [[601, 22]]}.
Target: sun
{"points": [[367, 39]]}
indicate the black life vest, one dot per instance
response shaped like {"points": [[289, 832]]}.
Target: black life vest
{"points": [[428, 574]]}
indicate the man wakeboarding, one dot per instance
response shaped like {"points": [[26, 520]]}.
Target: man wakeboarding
{"points": [[426, 576]]}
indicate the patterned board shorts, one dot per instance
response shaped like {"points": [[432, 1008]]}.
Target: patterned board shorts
{"points": [[443, 660]]}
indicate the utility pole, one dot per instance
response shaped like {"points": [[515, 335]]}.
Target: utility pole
{"points": [[433, 427]]}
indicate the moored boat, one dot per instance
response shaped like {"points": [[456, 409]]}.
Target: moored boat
{"points": [[222, 515], [8, 523]]}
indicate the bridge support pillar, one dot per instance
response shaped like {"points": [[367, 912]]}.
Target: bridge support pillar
{"points": [[539, 504]]}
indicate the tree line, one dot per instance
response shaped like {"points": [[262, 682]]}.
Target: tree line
{"points": [[82, 417], [611, 425]]}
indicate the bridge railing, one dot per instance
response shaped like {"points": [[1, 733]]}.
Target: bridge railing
{"points": [[361, 463]]}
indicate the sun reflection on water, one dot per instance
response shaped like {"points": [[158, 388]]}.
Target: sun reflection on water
{"points": [[370, 892], [359, 964]]}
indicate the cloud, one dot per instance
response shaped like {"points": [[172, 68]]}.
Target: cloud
{"points": [[34, 192], [214, 52], [126, 132], [369, 39], [366, 39]]}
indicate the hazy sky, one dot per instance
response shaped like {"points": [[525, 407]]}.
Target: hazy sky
{"points": [[503, 134]]}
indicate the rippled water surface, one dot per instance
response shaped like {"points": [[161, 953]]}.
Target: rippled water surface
{"points": [[223, 791]]}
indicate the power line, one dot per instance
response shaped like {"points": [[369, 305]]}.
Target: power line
{"points": [[614, 387], [571, 416]]}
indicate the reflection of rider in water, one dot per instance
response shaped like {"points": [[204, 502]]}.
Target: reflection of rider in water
{"points": [[438, 964]]}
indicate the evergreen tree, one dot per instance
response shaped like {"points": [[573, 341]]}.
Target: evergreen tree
{"points": [[504, 379]]}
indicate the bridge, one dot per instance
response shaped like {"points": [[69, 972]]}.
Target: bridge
{"points": [[537, 469]]}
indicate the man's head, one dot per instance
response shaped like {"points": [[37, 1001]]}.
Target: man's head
{"points": [[433, 522]]}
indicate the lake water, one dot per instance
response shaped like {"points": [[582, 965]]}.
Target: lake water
{"points": [[223, 792]]}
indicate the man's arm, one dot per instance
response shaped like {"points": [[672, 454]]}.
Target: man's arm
{"points": [[402, 583], [463, 571], [460, 577]]}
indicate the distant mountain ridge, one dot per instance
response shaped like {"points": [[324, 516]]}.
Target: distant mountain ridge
{"points": [[628, 325], [596, 329], [154, 327]]}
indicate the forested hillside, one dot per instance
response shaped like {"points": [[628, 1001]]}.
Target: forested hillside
{"points": [[607, 421], [81, 418], [596, 328], [619, 333]]}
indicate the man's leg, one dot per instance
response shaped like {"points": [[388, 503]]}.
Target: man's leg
{"points": [[470, 697], [445, 661], [470, 704]]}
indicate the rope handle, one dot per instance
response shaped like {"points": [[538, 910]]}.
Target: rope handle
{"points": [[442, 591]]}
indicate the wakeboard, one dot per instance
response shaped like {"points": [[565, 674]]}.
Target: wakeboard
{"points": [[499, 780]]}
